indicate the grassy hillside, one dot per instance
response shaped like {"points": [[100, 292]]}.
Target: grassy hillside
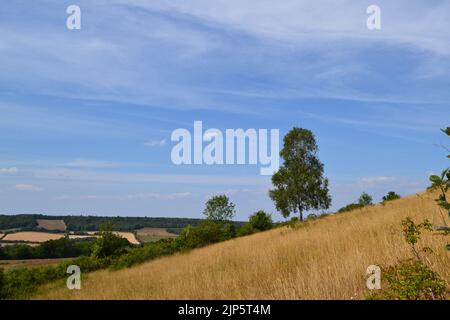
{"points": [[322, 259]]}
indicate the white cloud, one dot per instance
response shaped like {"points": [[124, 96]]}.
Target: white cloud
{"points": [[91, 175], [85, 163], [155, 143], [201, 33], [11, 170], [423, 24], [376, 181], [27, 187], [136, 196], [160, 196]]}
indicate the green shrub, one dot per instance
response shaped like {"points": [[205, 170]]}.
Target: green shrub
{"points": [[365, 200], [261, 221], [294, 223], [149, 251], [206, 233], [391, 196], [245, 230], [411, 280], [351, 207], [109, 244], [60, 248]]}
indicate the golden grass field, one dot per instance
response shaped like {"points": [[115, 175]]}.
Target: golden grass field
{"points": [[127, 235], [153, 234], [32, 236], [322, 259], [38, 237]]}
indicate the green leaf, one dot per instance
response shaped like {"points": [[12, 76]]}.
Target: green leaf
{"points": [[435, 179]]}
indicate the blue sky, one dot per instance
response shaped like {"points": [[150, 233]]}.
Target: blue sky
{"points": [[86, 115]]}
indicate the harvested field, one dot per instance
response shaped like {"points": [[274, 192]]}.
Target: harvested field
{"points": [[13, 264], [32, 236], [52, 224], [94, 234], [157, 232], [129, 236], [146, 235]]}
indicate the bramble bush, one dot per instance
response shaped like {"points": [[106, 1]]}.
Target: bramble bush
{"points": [[412, 279]]}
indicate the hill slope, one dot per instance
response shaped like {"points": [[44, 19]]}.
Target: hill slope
{"points": [[322, 259]]}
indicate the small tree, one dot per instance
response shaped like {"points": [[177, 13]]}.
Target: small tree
{"points": [[219, 209], [108, 244], [391, 196], [299, 183], [442, 183], [365, 200], [261, 221]]}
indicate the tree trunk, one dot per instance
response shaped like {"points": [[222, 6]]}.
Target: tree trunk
{"points": [[301, 213]]}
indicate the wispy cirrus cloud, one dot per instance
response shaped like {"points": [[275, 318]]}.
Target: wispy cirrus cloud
{"points": [[11, 170], [129, 197], [88, 163], [27, 187], [120, 177], [155, 143], [158, 196], [272, 41]]}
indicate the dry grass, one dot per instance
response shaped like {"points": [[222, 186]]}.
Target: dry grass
{"points": [[29, 263], [322, 259], [157, 232], [91, 234], [128, 235], [32, 236], [146, 235], [51, 224]]}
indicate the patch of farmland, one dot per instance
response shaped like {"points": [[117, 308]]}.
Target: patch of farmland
{"points": [[153, 234], [129, 236], [95, 234], [52, 224], [158, 232], [32, 236], [1, 235]]}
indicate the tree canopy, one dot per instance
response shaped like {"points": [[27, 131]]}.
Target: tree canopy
{"points": [[299, 184], [219, 208]]}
